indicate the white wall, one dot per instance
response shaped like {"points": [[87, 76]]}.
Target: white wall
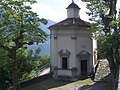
{"points": [[72, 12], [53, 49], [64, 72], [61, 40], [66, 43], [94, 52]]}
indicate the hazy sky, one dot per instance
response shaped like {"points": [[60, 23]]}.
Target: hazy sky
{"points": [[56, 9]]}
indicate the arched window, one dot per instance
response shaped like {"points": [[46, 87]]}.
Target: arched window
{"points": [[64, 63], [64, 56]]}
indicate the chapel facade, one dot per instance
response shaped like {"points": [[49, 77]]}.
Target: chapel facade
{"points": [[73, 49]]}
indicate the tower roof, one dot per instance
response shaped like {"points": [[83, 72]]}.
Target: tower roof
{"points": [[71, 22], [73, 19], [73, 5]]}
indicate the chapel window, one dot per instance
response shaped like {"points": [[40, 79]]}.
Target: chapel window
{"points": [[64, 63]]}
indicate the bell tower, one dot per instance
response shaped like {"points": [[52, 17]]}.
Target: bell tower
{"points": [[73, 10]]}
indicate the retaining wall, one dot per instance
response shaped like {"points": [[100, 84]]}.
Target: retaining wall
{"points": [[28, 82], [119, 80]]}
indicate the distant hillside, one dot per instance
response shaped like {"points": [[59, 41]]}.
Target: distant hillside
{"points": [[45, 48]]}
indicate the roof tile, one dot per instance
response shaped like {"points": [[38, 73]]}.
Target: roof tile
{"points": [[72, 21]]}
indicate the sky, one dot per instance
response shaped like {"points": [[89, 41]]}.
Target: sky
{"points": [[55, 10]]}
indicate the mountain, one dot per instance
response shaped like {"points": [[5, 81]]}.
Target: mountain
{"points": [[45, 47]]}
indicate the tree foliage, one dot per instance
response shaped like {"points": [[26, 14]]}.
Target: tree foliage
{"points": [[5, 77], [106, 23], [19, 27], [28, 62], [107, 27]]}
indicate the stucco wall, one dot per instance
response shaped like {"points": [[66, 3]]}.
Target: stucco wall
{"points": [[72, 12], [75, 40], [53, 49], [63, 42], [84, 43], [94, 52], [64, 73]]}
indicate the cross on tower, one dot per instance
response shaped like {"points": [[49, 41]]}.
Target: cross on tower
{"points": [[72, 1]]}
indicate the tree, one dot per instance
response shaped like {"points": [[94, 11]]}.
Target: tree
{"points": [[5, 78], [28, 63], [19, 27], [104, 15]]}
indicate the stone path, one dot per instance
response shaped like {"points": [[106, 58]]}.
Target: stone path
{"points": [[94, 86]]}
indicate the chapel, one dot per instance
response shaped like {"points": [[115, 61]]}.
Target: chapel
{"points": [[73, 49]]}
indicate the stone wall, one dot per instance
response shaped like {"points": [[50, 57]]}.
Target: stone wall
{"points": [[103, 70], [28, 82], [119, 80]]}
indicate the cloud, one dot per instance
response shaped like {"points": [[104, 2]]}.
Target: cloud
{"points": [[56, 9]]}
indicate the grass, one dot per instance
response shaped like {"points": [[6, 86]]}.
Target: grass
{"points": [[50, 84], [87, 84], [45, 85]]}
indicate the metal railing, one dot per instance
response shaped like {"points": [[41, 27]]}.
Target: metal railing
{"points": [[38, 71]]}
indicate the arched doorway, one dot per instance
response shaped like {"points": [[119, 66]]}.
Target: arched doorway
{"points": [[84, 67], [84, 63]]}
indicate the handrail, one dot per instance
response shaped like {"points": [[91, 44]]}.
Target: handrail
{"points": [[41, 69]]}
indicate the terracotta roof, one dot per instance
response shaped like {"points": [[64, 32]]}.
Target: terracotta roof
{"points": [[72, 21], [73, 5]]}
